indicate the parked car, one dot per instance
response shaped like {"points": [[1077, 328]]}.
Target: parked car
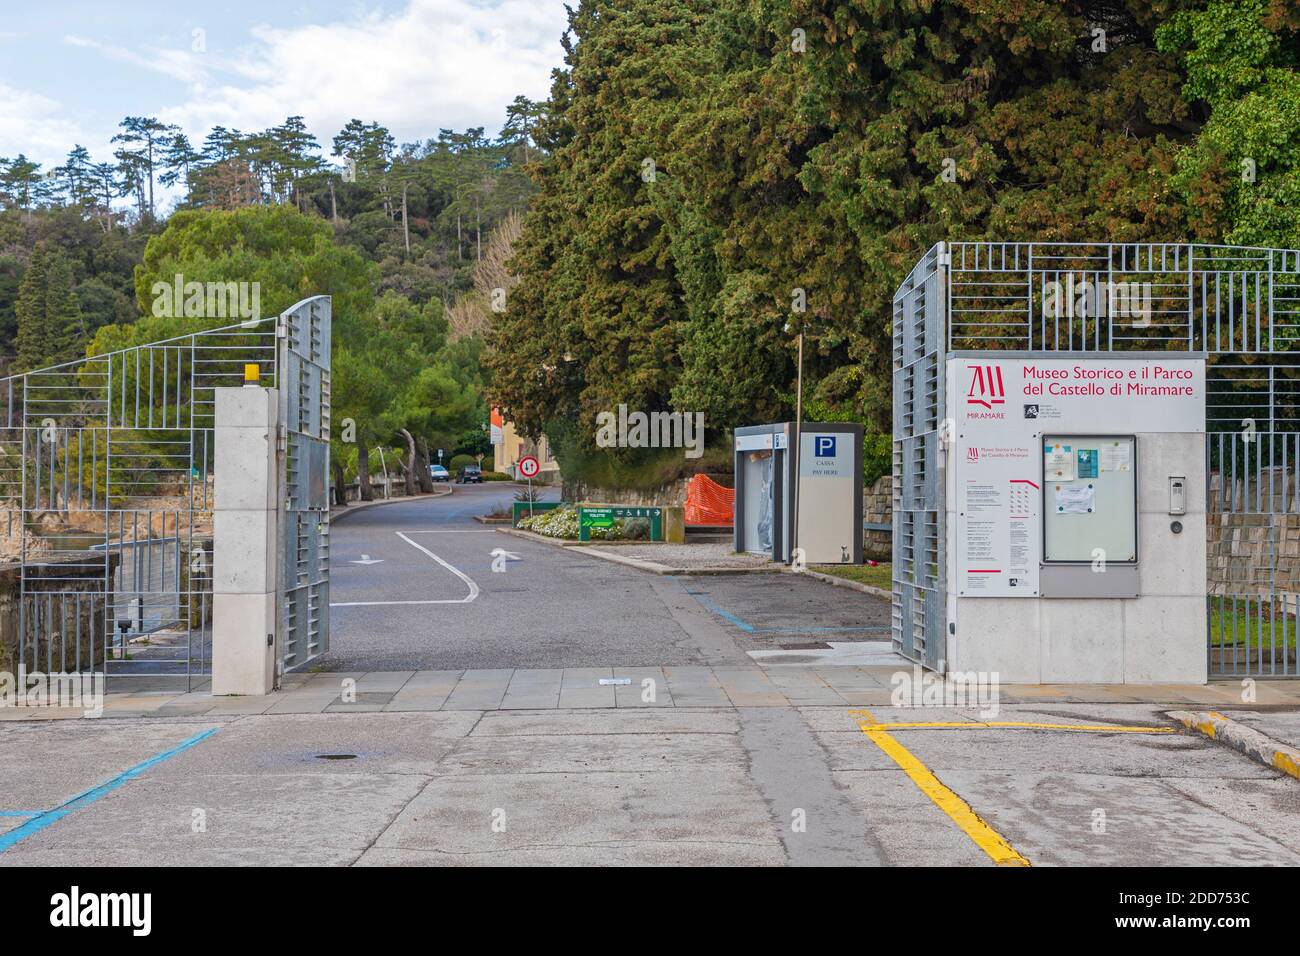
{"points": [[470, 473], [439, 473]]}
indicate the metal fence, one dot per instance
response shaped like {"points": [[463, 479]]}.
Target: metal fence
{"points": [[106, 485], [1238, 306]]}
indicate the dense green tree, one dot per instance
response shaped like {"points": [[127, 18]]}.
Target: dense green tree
{"points": [[1240, 182], [803, 154], [50, 327]]}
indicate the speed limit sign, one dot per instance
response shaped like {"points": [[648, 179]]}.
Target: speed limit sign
{"points": [[529, 466]]}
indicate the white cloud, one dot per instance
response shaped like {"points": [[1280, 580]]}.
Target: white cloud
{"points": [[178, 64], [34, 121], [439, 63]]}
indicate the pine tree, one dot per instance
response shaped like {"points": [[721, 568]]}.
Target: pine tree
{"points": [[50, 329]]}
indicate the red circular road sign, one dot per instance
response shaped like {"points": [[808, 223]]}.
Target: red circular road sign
{"points": [[529, 466]]}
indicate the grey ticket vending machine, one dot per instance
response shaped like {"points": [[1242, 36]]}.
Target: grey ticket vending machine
{"points": [[829, 492]]}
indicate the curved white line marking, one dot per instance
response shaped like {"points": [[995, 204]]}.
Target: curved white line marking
{"points": [[473, 588]]}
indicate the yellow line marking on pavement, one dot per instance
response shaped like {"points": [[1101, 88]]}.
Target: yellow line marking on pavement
{"points": [[959, 811], [980, 725]]}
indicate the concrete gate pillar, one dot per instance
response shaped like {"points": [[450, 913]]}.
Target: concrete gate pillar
{"points": [[245, 541]]}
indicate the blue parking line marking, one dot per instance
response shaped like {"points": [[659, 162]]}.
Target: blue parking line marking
{"points": [[20, 813], [751, 629], [820, 630], [45, 818]]}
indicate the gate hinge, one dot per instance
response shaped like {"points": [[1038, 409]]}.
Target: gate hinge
{"points": [[281, 438], [945, 259]]}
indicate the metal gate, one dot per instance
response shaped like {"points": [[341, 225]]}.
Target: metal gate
{"points": [[106, 489], [304, 530], [920, 610], [1238, 306]]}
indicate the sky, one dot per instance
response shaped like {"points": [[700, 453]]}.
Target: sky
{"points": [[71, 69]]}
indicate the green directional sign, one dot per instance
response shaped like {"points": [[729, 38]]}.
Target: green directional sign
{"points": [[604, 519]]}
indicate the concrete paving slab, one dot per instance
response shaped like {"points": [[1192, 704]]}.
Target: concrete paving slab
{"points": [[911, 830], [1075, 819], [533, 689], [639, 693], [564, 816], [479, 690], [426, 690], [376, 681], [300, 702], [804, 684], [749, 687], [242, 705], [581, 687], [591, 753], [1120, 755], [252, 819], [1269, 807], [291, 744], [695, 687], [49, 763], [432, 680], [676, 720], [632, 853]]}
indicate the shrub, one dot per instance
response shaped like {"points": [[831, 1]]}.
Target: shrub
{"points": [[556, 523]]}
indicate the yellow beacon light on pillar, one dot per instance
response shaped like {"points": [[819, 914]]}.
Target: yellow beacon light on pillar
{"points": [[252, 375]]}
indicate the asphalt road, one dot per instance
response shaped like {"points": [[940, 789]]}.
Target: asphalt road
{"points": [[429, 599]]}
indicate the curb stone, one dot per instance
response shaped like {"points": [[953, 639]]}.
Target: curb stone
{"points": [[1259, 747], [844, 583]]}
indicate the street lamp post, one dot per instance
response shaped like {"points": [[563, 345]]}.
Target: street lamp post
{"points": [[798, 442]]}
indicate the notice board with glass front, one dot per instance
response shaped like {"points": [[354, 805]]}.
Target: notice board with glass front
{"points": [[1089, 498]]}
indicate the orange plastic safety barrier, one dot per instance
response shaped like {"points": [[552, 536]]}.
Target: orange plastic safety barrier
{"points": [[709, 503]]}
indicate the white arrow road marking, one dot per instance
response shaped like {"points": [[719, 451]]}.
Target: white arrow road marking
{"points": [[367, 559], [473, 588]]}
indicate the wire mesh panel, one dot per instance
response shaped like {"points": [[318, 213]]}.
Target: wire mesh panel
{"points": [[305, 414], [1239, 306], [106, 488], [919, 601]]}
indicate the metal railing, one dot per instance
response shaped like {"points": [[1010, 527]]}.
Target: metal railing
{"points": [[106, 483]]}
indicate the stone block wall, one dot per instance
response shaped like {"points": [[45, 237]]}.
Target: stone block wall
{"points": [[1253, 536], [69, 602], [671, 494], [878, 508]]}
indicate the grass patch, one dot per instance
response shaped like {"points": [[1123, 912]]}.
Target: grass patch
{"points": [[1256, 628], [881, 576]]}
